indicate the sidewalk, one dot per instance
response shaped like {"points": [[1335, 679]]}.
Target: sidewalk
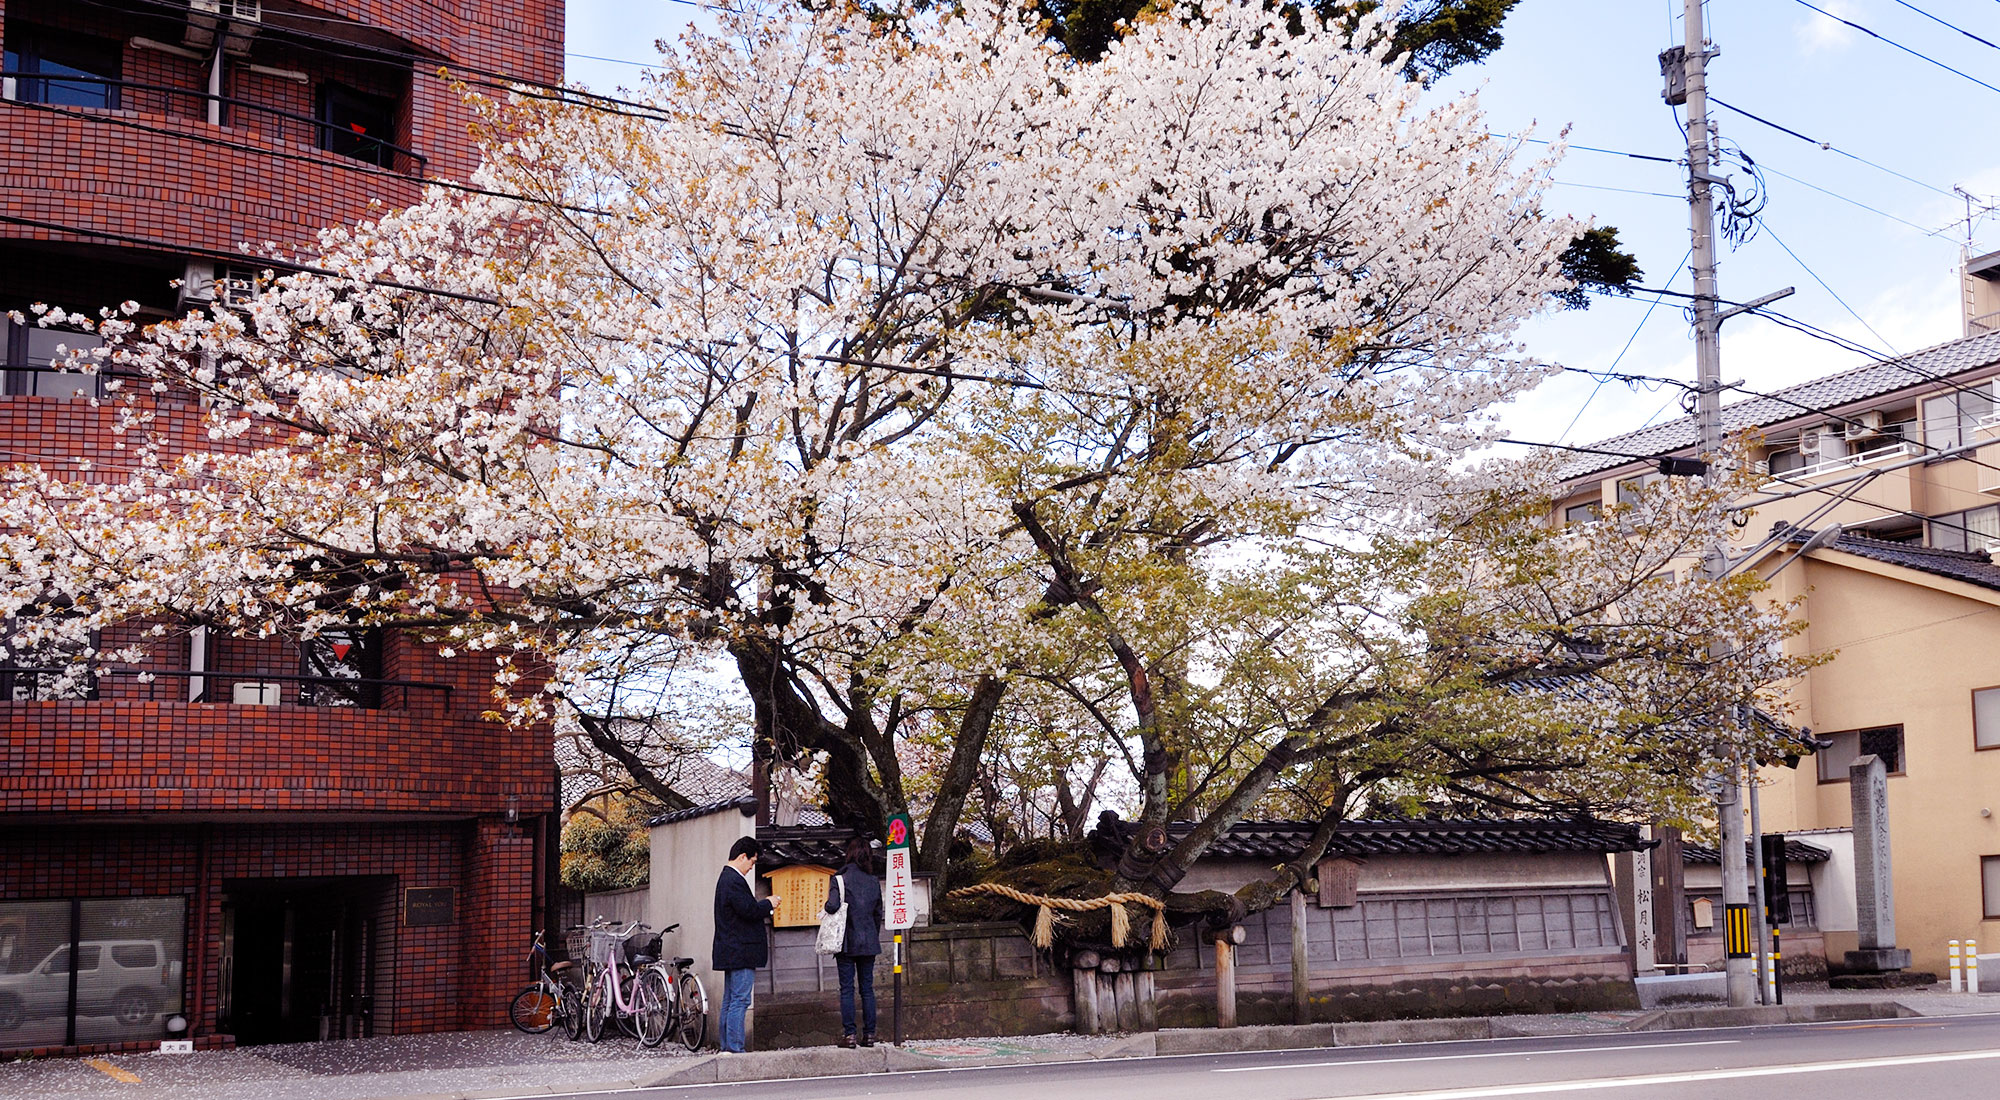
{"points": [[492, 1064]]}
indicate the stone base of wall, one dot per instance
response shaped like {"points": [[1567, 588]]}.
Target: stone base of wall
{"points": [[930, 1011], [1564, 984]]}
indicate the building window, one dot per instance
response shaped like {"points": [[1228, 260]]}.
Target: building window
{"points": [[357, 125], [1986, 718], [1581, 513], [1968, 530], [334, 656], [31, 354], [1784, 460], [128, 955], [1849, 745], [36, 56], [1949, 420], [1989, 885]]}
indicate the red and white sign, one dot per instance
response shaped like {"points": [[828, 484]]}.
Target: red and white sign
{"points": [[900, 905]]}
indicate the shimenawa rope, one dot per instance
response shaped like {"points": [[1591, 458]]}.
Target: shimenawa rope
{"points": [[1045, 918]]}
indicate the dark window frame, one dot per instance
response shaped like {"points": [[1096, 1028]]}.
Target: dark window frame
{"points": [[30, 46], [1988, 904], [1861, 749], [1973, 699], [341, 110]]}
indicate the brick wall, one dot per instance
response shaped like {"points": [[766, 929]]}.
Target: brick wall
{"points": [[432, 978]]}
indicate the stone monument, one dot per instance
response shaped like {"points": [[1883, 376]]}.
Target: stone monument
{"points": [[1878, 962]]}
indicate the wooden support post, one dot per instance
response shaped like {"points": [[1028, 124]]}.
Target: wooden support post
{"points": [[1126, 992], [1301, 986], [1225, 983], [1142, 988], [1086, 1000]]}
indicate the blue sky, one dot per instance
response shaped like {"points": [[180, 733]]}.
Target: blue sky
{"points": [[1591, 65]]}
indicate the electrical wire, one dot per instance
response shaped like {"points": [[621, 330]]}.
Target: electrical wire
{"points": [[1594, 390], [1892, 42], [1853, 202], [1828, 146], [1807, 268], [1943, 23], [1623, 190], [337, 161]]}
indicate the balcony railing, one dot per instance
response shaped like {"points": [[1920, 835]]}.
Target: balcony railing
{"points": [[1898, 449], [21, 684], [1982, 324], [283, 125]]}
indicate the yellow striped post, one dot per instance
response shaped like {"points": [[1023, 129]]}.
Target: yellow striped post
{"points": [[1957, 964], [1736, 932]]}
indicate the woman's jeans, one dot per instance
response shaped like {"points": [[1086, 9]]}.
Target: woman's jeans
{"points": [[737, 986], [856, 970]]}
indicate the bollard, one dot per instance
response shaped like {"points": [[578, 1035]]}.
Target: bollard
{"points": [[1956, 957], [1777, 970], [1972, 966]]}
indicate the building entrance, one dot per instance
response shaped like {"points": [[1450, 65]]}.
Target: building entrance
{"points": [[299, 957]]}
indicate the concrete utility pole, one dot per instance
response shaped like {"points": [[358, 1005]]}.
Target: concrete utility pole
{"points": [[1708, 414]]}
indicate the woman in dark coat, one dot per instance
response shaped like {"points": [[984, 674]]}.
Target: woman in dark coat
{"points": [[857, 883]]}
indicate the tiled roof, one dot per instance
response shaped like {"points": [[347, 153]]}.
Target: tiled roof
{"points": [[744, 803], [1796, 851], [1970, 566], [1279, 840], [1833, 391]]}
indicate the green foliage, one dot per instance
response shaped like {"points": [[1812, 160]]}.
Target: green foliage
{"points": [[1596, 262], [600, 854]]}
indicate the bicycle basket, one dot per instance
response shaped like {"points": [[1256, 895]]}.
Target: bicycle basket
{"points": [[644, 943], [577, 944], [603, 946]]}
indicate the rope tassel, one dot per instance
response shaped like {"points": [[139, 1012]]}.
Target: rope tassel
{"points": [[1045, 927], [1121, 924]]}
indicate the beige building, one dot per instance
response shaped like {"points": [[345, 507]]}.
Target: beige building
{"points": [[1906, 457]]}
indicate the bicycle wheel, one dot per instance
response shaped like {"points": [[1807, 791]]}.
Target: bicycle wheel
{"points": [[572, 999], [534, 1009], [653, 1010], [691, 1016], [596, 1005]]}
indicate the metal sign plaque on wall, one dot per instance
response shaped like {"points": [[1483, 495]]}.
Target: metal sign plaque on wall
{"points": [[427, 905]]}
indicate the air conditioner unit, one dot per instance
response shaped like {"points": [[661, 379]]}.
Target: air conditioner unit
{"points": [[206, 19], [202, 281], [254, 693], [1863, 425], [1809, 442]]}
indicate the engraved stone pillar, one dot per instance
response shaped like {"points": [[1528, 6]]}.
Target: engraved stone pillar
{"points": [[1874, 888]]}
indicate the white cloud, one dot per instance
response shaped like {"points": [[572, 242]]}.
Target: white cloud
{"points": [[1817, 33]]}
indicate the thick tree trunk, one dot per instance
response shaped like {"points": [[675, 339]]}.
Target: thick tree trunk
{"points": [[974, 728]]}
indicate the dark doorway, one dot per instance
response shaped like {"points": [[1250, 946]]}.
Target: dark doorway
{"points": [[298, 957]]}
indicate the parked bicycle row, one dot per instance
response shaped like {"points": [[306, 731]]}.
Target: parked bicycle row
{"points": [[621, 982]]}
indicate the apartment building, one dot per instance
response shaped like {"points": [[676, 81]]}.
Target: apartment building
{"points": [[1905, 456], [257, 840]]}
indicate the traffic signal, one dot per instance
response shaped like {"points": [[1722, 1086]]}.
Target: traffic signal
{"points": [[1777, 894]]}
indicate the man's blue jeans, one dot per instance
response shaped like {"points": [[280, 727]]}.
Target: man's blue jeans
{"points": [[737, 986]]}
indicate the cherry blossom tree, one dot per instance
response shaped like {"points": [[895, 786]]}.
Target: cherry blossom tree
{"points": [[932, 382]]}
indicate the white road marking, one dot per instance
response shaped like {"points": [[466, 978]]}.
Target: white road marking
{"points": [[1495, 1054], [1540, 1087]]}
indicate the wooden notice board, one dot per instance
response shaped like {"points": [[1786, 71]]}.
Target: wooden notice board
{"points": [[803, 889]]}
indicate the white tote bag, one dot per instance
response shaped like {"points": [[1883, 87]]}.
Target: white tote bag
{"points": [[833, 926]]}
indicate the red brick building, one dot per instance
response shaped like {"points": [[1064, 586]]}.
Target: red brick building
{"points": [[263, 839]]}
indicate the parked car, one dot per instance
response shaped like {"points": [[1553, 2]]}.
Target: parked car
{"points": [[132, 980]]}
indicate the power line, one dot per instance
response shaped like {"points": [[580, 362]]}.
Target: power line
{"points": [[1953, 26], [1636, 329], [1624, 190], [1807, 268], [1828, 146], [1851, 202], [1585, 148], [1892, 42], [343, 163]]}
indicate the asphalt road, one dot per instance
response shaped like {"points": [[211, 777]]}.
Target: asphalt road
{"points": [[1919, 1059]]}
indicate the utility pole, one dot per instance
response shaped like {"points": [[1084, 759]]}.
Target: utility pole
{"points": [[1708, 414]]}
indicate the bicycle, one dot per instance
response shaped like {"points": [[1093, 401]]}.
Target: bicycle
{"points": [[614, 989], [676, 986], [550, 1001]]}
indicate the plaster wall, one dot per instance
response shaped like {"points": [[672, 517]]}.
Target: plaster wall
{"points": [[1429, 872], [1910, 651], [686, 858]]}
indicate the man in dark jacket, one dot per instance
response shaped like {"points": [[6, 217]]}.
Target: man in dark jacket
{"points": [[740, 944]]}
